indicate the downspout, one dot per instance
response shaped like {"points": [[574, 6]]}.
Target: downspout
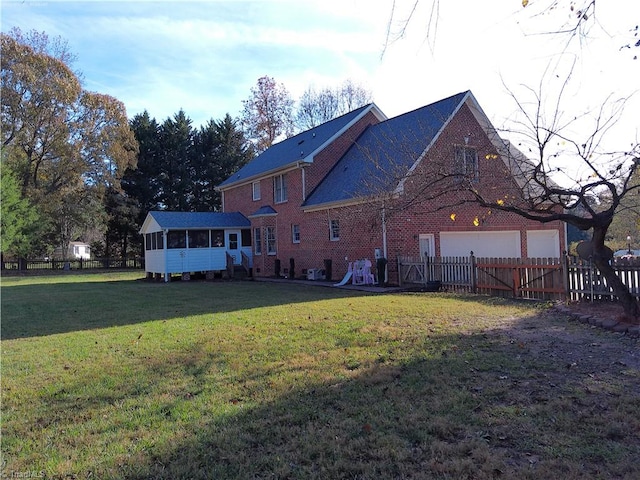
{"points": [[165, 249], [384, 244], [304, 184]]}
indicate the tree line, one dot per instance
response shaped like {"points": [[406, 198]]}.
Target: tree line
{"points": [[75, 168]]}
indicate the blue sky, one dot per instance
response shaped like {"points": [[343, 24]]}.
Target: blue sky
{"points": [[204, 56]]}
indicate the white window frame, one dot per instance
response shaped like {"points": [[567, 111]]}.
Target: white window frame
{"points": [[465, 160], [255, 191], [257, 241], [270, 240], [295, 233], [279, 189], [334, 230]]}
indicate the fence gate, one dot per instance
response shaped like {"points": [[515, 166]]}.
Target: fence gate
{"points": [[532, 278]]}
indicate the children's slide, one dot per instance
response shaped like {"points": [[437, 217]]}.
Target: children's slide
{"points": [[344, 281]]}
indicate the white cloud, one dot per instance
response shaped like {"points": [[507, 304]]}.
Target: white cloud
{"points": [[205, 56]]}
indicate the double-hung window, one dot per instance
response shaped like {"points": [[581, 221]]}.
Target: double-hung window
{"points": [[255, 189], [257, 241], [465, 163], [270, 233], [295, 233], [334, 230], [279, 189]]}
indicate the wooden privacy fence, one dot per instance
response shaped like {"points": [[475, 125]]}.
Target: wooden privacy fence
{"points": [[531, 278]]}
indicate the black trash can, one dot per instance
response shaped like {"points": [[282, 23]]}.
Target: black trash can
{"points": [[277, 268], [327, 269], [292, 268], [381, 265]]}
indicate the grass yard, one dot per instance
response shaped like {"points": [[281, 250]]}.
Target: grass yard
{"points": [[106, 376]]}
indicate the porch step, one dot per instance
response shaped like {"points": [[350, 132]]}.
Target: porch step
{"points": [[239, 273]]}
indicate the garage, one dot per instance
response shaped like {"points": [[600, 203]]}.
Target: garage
{"points": [[504, 244], [543, 243]]}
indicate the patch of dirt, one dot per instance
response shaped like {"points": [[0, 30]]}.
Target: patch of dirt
{"points": [[605, 310], [578, 347]]}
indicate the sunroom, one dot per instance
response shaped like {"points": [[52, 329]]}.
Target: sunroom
{"points": [[195, 242]]}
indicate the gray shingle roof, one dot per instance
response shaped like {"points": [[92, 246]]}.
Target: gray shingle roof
{"points": [[384, 153], [193, 220], [264, 211], [294, 149]]}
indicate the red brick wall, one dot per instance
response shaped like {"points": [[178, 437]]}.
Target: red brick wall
{"points": [[361, 225]]}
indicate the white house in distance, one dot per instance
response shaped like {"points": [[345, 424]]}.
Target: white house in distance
{"points": [[76, 251], [189, 242]]}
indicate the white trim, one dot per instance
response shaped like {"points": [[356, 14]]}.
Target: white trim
{"points": [[373, 108], [293, 236], [430, 239], [337, 204], [255, 197], [331, 236], [400, 188]]}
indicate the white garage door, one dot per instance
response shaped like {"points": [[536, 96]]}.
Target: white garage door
{"points": [[543, 243], [483, 244]]}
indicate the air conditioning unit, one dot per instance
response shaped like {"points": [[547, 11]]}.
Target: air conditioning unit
{"points": [[315, 274]]}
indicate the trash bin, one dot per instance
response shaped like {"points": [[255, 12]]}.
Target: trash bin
{"points": [[327, 269], [292, 268], [381, 265], [277, 268]]}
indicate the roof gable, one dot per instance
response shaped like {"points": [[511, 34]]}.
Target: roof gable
{"points": [[384, 153], [194, 220], [299, 148]]}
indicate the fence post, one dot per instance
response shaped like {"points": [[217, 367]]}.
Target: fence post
{"points": [[516, 281], [399, 270], [473, 273], [565, 274]]}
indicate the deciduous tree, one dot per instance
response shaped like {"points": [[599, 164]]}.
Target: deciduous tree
{"points": [[60, 140], [268, 113], [319, 106]]}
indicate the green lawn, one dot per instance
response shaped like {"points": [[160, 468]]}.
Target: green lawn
{"points": [[106, 376]]}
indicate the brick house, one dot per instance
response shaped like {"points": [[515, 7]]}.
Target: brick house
{"points": [[360, 185]]}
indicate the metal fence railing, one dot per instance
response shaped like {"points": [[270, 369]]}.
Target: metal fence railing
{"points": [[106, 263]]}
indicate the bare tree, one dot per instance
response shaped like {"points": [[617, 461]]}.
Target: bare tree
{"points": [[569, 19], [316, 107], [565, 176], [572, 177], [319, 106], [268, 113]]}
